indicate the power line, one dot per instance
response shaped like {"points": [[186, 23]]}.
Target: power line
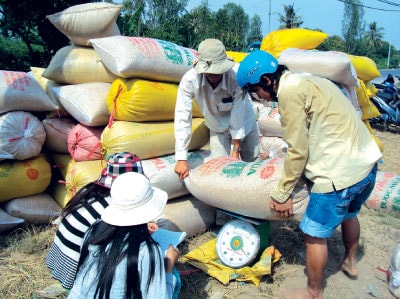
{"points": [[382, 9]]}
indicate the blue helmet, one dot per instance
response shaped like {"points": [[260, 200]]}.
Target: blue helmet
{"points": [[253, 66]]}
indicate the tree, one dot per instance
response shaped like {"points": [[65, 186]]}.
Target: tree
{"points": [[255, 29], [25, 22], [353, 27], [198, 24], [231, 26], [333, 43], [290, 19], [373, 37]]}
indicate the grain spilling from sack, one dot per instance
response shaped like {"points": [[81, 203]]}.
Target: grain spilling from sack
{"points": [[243, 187]]}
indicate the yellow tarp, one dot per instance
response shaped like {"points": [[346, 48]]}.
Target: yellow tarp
{"points": [[205, 258]]}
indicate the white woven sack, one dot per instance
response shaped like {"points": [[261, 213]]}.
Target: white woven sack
{"points": [[187, 214], [86, 102], [4, 155], [75, 65], [333, 65], [141, 57], [161, 174], [269, 123], [39, 208], [46, 84], [243, 187], [19, 91], [22, 134], [273, 146], [8, 222], [85, 21], [57, 130]]}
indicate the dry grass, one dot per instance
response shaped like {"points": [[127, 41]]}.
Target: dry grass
{"points": [[23, 273]]}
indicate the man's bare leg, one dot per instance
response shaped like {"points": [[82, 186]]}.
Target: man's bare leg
{"points": [[351, 237], [316, 260]]}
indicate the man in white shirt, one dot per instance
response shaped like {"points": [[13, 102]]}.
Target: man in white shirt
{"points": [[228, 113]]}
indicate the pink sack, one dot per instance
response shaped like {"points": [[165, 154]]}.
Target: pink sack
{"points": [[84, 143]]}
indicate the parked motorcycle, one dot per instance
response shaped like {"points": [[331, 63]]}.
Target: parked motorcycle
{"points": [[387, 101]]}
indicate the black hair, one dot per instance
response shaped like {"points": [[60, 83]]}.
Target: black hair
{"points": [[86, 195], [115, 244], [274, 77]]}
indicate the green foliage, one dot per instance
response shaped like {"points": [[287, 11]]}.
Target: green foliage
{"points": [[353, 27], [333, 43], [14, 55], [29, 39], [255, 30]]}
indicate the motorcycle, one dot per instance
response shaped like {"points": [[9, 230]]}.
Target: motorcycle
{"points": [[387, 101]]}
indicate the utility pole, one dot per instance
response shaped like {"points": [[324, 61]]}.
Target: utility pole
{"points": [[269, 17], [388, 59]]}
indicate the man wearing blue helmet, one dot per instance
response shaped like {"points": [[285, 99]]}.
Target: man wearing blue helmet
{"points": [[330, 146], [228, 114]]}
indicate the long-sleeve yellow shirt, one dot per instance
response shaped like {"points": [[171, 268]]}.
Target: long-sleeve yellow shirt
{"points": [[327, 139]]}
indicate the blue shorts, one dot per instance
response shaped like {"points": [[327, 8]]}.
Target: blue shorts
{"points": [[326, 211]]}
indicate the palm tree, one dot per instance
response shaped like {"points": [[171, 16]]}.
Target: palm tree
{"points": [[290, 19], [374, 35]]}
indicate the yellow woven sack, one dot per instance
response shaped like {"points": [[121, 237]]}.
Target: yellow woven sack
{"points": [[141, 100], [277, 41], [149, 139], [365, 67], [205, 258], [237, 56], [377, 140], [368, 109], [79, 174], [23, 178]]}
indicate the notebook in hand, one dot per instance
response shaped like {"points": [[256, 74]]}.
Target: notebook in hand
{"points": [[166, 237]]}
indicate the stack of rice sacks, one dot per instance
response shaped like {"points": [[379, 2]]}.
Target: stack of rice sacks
{"points": [[113, 94]]}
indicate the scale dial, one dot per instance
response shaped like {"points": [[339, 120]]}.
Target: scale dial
{"points": [[238, 243]]}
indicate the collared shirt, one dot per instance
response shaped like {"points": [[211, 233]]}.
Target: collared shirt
{"points": [[162, 285], [224, 108], [328, 141]]}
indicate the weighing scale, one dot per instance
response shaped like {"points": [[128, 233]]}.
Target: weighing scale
{"points": [[238, 243]]}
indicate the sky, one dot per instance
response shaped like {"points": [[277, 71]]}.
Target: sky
{"points": [[326, 15]]}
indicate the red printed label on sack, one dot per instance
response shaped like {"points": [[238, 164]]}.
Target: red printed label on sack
{"points": [[18, 80], [32, 174], [268, 171]]}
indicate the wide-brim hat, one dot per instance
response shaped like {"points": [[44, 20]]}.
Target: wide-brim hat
{"points": [[212, 58], [118, 164], [133, 201]]}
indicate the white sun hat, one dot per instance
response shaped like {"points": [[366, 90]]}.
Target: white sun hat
{"points": [[212, 58], [133, 201]]}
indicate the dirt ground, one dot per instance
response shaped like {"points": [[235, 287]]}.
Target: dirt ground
{"points": [[23, 273], [380, 233]]}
